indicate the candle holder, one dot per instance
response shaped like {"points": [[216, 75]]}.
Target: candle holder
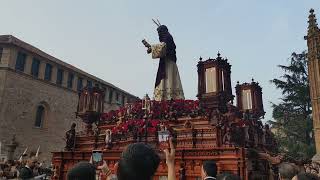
{"points": [[90, 106]]}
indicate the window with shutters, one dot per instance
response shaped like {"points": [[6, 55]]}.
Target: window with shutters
{"points": [[117, 97], [35, 67], [21, 61], [89, 84], [59, 76], [110, 96], [123, 99], [39, 116], [1, 50], [79, 84], [70, 80], [48, 72]]}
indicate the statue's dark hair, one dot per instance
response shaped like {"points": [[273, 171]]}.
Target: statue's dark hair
{"points": [[210, 168], [165, 36], [138, 161]]}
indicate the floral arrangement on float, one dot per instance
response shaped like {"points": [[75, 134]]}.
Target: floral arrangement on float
{"points": [[162, 110], [149, 116]]}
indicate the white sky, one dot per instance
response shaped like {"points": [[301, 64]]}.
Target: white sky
{"points": [[104, 37]]}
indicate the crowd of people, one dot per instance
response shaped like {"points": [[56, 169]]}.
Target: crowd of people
{"points": [[24, 168], [139, 161], [290, 171]]}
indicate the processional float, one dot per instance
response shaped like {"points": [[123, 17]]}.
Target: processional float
{"points": [[210, 128]]}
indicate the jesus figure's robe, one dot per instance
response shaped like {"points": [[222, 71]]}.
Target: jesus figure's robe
{"points": [[170, 86]]}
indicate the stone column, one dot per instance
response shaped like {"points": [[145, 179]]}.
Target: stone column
{"points": [[65, 78], [27, 68], [54, 74], [314, 77], [42, 69], [11, 147]]}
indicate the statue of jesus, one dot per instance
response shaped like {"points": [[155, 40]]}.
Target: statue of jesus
{"points": [[168, 84]]}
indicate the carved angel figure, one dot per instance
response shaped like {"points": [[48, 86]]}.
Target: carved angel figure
{"points": [[108, 138]]}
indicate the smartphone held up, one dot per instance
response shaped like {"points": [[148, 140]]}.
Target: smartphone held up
{"points": [[97, 157], [163, 138]]}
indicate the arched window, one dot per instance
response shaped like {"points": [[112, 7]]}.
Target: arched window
{"points": [[39, 116]]}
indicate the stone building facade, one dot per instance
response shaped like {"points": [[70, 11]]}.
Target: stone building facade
{"points": [[313, 42], [39, 96]]}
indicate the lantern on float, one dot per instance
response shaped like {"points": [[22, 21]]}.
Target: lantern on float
{"points": [[214, 83], [90, 104], [249, 99]]}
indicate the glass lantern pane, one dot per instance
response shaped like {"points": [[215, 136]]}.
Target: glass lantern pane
{"points": [[246, 99], [211, 80], [222, 78]]}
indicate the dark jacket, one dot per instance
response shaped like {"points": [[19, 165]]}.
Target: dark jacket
{"points": [[26, 173]]}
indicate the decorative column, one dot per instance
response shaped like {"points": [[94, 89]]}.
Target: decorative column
{"points": [[313, 42], [11, 147], [214, 83]]}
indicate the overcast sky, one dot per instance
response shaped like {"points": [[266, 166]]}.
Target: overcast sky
{"points": [[104, 37]]}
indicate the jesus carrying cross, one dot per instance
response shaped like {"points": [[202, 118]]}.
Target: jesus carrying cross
{"points": [[168, 84]]}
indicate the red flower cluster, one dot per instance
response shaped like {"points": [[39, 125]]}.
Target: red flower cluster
{"points": [[137, 126], [132, 117], [158, 110]]}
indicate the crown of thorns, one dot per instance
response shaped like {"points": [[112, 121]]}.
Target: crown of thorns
{"points": [[157, 22]]}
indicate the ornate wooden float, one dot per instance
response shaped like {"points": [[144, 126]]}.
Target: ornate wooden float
{"points": [[210, 128]]}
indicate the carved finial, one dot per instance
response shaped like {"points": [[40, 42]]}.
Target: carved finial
{"points": [[312, 21], [252, 79], [200, 58], [218, 54], [311, 11], [238, 82]]}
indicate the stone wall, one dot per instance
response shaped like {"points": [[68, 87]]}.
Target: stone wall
{"points": [[21, 97], [21, 94]]}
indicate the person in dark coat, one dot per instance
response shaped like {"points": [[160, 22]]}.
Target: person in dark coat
{"points": [[26, 172]]}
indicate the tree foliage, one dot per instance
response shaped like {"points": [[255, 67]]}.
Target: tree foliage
{"points": [[293, 122]]}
